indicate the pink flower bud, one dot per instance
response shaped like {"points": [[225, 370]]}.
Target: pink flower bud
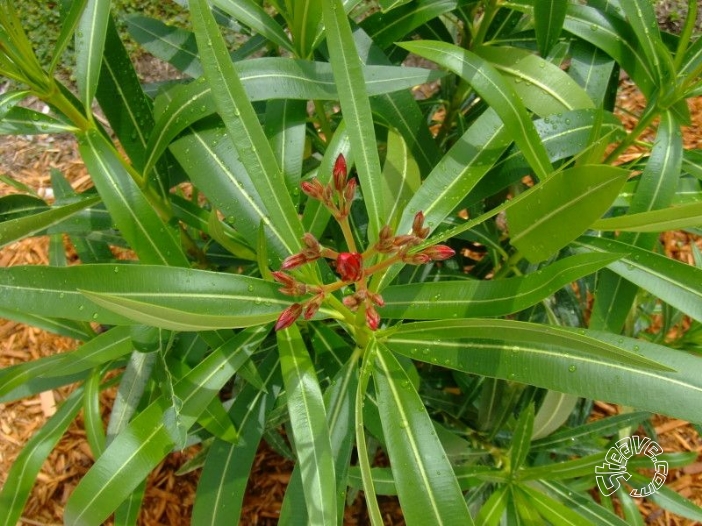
{"points": [[288, 316], [293, 261], [340, 172], [351, 301], [313, 188], [311, 242], [372, 318], [376, 298], [416, 259], [313, 306], [439, 252], [349, 266], [292, 286], [385, 240]]}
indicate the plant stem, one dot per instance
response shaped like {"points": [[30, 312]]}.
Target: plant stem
{"points": [[348, 235]]}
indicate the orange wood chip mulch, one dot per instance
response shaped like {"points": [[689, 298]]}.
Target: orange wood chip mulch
{"points": [[169, 497]]}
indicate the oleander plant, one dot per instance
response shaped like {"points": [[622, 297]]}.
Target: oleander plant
{"points": [[398, 240]]}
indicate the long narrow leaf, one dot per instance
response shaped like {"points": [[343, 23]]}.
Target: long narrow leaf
{"points": [[123, 466], [672, 281], [675, 218], [426, 484], [245, 132], [490, 85], [90, 44], [593, 364], [24, 471], [474, 298], [309, 425], [355, 105]]}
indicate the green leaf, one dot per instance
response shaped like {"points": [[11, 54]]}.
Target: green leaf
{"points": [[674, 282], [558, 210], [474, 298], [490, 85], [309, 425], [285, 128], [670, 500], [71, 20], [458, 171], [426, 484], [131, 389], [145, 441], [590, 364], [222, 485], [582, 504], [135, 216], [491, 512], [552, 510], [23, 121], [543, 87], [306, 17], [169, 43], [90, 44], [553, 412], [353, 98], [387, 28], [245, 132], [31, 225], [569, 469], [253, 15], [92, 414], [264, 79], [656, 189], [10, 100], [400, 176], [614, 36], [521, 439], [25, 469], [549, 16], [387, 5], [71, 329], [168, 297], [641, 17], [592, 70], [674, 218]]}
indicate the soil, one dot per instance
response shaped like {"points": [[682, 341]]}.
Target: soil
{"points": [[169, 495]]}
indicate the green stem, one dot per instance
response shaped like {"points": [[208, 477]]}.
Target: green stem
{"points": [[686, 33], [348, 235], [488, 15], [509, 266], [650, 113]]}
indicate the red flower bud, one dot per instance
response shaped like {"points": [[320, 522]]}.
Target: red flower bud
{"points": [[372, 318], [313, 188], [340, 172], [376, 298], [349, 265], [311, 242], [439, 252], [385, 240], [288, 316], [418, 223], [351, 301]]}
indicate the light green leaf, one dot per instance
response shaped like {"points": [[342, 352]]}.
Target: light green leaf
{"points": [[553, 413], [549, 16], [31, 225], [490, 85], [71, 19], [90, 44], [25, 469], [474, 298], [674, 218], [426, 484], [123, 466], [521, 439], [582, 504], [543, 87], [552, 510], [309, 425], [494, 507], [672, 281], [250, 13], [23, 121], [558, 210], [222, 485], [135, 216], [353, 98], [400, 176], [245, 132], [591, 364]]}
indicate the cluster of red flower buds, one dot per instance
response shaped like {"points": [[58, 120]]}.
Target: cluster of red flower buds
{"points": [[337, 197]]}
